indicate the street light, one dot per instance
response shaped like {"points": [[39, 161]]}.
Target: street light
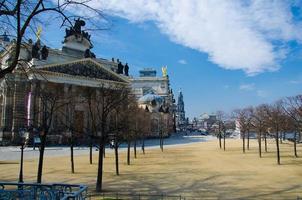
{"points": [[24, 137]]}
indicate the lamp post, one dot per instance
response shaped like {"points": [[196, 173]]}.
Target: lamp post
{"points": [[24, 137]]}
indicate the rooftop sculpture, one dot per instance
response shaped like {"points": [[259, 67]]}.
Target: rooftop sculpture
{"points": [[77, 29]]}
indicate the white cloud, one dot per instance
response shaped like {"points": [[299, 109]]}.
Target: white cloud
{"points": [[182, 61], [236, 34], [262, 93], [247, 87]]}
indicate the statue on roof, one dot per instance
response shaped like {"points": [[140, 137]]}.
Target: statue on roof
{"points": [[164, 71], [89, 54], [44, 52], [126, 69], [120, 68], [77, 29], [38, 33], [35, 51], [78, 24]]}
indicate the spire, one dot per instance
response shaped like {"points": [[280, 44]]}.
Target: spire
{"points": [[181, 118]]}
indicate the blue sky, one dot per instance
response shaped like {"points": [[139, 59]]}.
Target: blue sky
{"points": [[219, 65]]}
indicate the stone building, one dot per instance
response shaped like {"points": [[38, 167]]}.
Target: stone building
{"points": [[70, 71], [205, 122], [148, 82], [155, 95]]}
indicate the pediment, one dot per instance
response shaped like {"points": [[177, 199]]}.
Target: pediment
{"points": [[87, 68]]}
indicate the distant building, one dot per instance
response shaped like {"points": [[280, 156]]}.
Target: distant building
{"points": [[204, 122], [181, 120], [155, 95], [148, 82]]}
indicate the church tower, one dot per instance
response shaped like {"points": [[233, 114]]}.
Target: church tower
{"points": [[181, 118]]}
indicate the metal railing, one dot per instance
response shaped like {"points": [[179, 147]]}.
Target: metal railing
{"points": [[33, 191]]}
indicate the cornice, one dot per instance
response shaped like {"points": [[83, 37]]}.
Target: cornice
{"points": [[82, 61], [66, 78]]}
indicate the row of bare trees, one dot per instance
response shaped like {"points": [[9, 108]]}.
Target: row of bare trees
{"points": [[114, 118], [112, 113], [278, 121]]}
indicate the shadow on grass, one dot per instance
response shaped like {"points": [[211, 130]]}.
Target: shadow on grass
{"points": [[204, 188], [8, 163]]}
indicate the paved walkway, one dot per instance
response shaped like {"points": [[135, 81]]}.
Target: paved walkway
{"points": [[13, 152]]}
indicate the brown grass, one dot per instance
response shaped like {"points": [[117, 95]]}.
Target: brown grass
{"points": [[194, 171]]}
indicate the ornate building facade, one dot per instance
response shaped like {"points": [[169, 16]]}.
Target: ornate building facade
{"points": [[155, 95], [69, 73], [49, 75]]}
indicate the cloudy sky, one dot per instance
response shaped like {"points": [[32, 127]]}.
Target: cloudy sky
{"points": [[222, 54]]}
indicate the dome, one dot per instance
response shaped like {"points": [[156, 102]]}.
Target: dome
{"points": [[151, 99], [204, 116]]}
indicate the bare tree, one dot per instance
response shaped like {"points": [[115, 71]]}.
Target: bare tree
{"points": [[146, 127], [122, 126], [50, 102], [258, 122], [248, 114], [243, 118], [275, 118], [229, 126], [220, 115], [130, 131], [292, 106], [101, 103], [68, 122], [239, 116]]}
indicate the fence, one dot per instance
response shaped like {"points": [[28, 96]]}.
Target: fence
{"points": [[139, 196], [31, 191]]}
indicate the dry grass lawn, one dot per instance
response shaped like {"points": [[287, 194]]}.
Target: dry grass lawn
{"points": [[196, 171]]}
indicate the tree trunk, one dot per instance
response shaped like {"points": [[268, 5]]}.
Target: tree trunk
{"points": [[143, 146], [220, 146], [259, 144], [100, 168], [90, 154], [295, 144], [116, 159], [243, 142], [41, 158], [134, 147], [278, 149], [265, 142], [128, 153], [161, 143], [224, 141], [71, 158], [248, 140], [104, 151]]}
